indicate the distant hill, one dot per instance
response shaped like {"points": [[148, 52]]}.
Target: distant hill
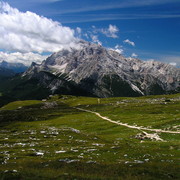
{"points": [[4, 72], [16, 67]]}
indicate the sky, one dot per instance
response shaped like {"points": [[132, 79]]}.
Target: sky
{"points": [[146, 29]]}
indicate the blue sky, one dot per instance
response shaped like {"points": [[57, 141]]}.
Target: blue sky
{"points": [[147, 29]]}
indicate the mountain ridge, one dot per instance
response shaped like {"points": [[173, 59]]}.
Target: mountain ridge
{"points": [[105, 73]]}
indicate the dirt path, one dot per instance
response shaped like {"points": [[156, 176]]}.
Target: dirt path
{"points": [[126, 125]]}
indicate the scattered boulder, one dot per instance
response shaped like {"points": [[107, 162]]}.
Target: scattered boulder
{"points": [[48, 105], [145, 135]]}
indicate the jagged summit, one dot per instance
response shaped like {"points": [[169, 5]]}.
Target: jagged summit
{"points": [[103, 72]]}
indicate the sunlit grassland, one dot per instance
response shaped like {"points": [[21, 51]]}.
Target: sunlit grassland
{"points": [[61, 142]]}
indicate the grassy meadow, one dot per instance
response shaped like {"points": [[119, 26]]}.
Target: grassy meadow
{"points": [[51, 139]]}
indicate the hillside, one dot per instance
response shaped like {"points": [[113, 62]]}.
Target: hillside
{"points": [[63, 137]]}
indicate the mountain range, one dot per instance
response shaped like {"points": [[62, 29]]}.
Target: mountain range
{"points": [[104, 73], [92, 70], [15, 67]]}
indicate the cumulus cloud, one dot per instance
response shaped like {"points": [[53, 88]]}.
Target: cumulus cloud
{"points": [[29, 32], [111, 31], [134, 55], [127, 41], [24, 58]]}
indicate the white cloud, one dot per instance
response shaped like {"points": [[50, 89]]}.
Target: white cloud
{"points": [[173, 64], [86, 36], [114, 4], [134, 55], [31, 2], [119, 49], [24, 58], [27, 32], [127, 41], [111, 31], [94, 27], [78, 30], [95, 39]]}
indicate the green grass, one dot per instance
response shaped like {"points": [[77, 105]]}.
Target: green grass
{"points": [[61, 142], [19, 104]]}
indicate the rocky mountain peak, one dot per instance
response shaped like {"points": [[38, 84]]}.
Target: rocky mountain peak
{"points": [[104, 72]]}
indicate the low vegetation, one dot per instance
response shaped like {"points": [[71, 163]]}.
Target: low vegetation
{"points": [[52, 139]]}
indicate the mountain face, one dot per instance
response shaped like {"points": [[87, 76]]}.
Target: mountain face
{"points": [[16, 67], [103, 73]]}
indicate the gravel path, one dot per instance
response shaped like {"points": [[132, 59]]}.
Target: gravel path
{"points": [[129, 126]]}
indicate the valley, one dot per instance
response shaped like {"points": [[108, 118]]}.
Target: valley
{"points": [[61, 137]]}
